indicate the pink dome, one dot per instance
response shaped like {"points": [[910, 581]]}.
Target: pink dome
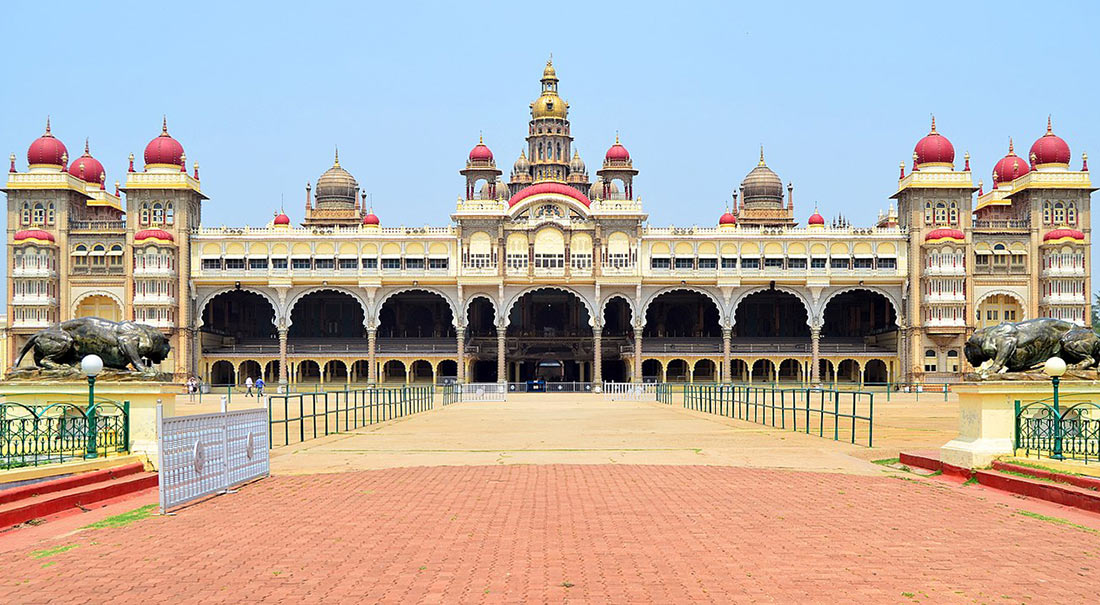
{"points": [[87, 168], [944, 233], [727, 219], [481, 152], [37, 234], [816, 219], [1059, 234], [164, 150], [934, 148], [47, 150], [557, 188], [282, 219], [1049, 149], [160, 234], [1010, 167], [617, 152], [371, 219]]}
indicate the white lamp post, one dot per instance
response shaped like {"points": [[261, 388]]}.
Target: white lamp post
{"points": [[1055, 367], [91, 366]]}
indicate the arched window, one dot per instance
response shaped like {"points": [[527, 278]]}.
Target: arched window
{"points": [[114, 257], [26, 214], [540, 150], [941, 213], [1059, 213], [559, 151], [930, 364], [158, 214], [39, 214], [169, 214], [954, 213], [50, 213], [953, 361], [1046, 213], [144, 213], [1071, 213]]}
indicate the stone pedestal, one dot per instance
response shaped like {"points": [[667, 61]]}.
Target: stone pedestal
{"points": [[987, 417], [143, 398]]}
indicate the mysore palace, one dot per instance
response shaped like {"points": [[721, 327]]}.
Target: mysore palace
{"points": [[552, 268]]}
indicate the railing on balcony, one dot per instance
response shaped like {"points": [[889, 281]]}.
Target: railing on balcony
{"points": [[97, 225], [1012, 223]]}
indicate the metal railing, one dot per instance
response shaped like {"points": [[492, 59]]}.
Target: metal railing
{"points": [[828, 413], [482, 391], [630, 391], [550, 387], [304, 416], [1046, 430], [31, 435]]}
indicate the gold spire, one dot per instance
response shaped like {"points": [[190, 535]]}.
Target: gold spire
{"points": [[616, 137], [1010, 151], [86, 151], [48, 127], [761, 163], [1049, 129], [549, 73], [933, 124], [336, 159], [164, 125]]}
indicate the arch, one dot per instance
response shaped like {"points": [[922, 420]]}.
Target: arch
{"points": [[304, 293], [110, 295], [1009, 293], [249, 368], [307, 370], [790, 369], [549, 240], [819, 318], [847, 371], [450, 303], [629, 303], [480, 243], [504, 319], [393, 371], [649, 301], [517, 244], [617, 315], [447, 368], [676, 370], [335, 370], [704, 370], [271, 371], [762, 370], [875, 371], [360, 370], [468, 306], [222, 373], [796, 293], [421, 370], [739, 371], [652, 368], [209, 296]]}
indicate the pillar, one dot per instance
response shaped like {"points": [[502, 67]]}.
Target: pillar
{"points": [[409, 372], [726, 373], [637, 355], [597, 356], [815, 352], [372, 371], [664, 372], [502, 375], [461, 337], [282, 356]]}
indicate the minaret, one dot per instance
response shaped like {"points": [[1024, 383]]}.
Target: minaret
{"points": [[548, 137]]}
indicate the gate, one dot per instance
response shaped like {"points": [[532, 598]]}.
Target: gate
{"points": [[207, 453], [629, 391], [482, 391]]}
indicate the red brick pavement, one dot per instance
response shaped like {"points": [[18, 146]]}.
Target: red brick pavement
{"points": [[593, 534]]}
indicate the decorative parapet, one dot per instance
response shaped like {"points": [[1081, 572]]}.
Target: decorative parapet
{"points": [[926, 179], [46, 180], [313, 232], [162, 180]]}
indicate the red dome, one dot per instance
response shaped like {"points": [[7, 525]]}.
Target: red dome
{"points": [[557, 188], [1049, 149], [816, 219], [164, 149], [92, 170], [617, 152], [934, 148], [727, 219], [47, 149], [34, 234], [282, 219], [160, 234], [371, 219], [1056, 235], [1010, 167], [481, 152], [944, 234]]}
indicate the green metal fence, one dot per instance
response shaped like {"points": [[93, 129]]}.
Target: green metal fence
{"points": [[297, 417], [1044, 429], [846, 415], [31, 435]]}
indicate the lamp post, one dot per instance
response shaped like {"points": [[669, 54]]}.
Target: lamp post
{"points": [[1055, 367], [91, 366]]}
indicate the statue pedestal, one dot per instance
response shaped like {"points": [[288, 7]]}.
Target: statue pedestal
{"points": [[987, 417], [143, 398]]}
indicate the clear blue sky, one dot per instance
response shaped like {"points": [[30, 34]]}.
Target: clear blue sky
{"points": [[259, 95]]}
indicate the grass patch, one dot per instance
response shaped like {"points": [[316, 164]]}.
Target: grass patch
{"points": [[971, 481], [49, 552], [886, 461], [124, 519], [1057, 521], [1042, 467]]}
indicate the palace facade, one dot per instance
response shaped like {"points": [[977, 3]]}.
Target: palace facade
{"points": [[552, 270]]}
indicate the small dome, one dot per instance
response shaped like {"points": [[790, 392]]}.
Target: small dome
{"points": [[47, 150], [944, 233], [617, 152], [727, 219], [34, 234], [336, 187], [556, 188], [596, 190], [816, 219], [549, 105], [282, 219], [163, 150], [502, 188], [370, 219], [576, 164], [87, 168], [934, 149], [762, 184], [157, 234], [481, 152], [1010, 167], [1049, 149], [1064, 234], [521, 165]]}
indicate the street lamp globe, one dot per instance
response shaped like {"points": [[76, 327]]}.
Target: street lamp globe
{"points": [[1054, 367], [91, 365]]}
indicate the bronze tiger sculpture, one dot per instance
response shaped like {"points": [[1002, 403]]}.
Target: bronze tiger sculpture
{"points": [[119, 344]]}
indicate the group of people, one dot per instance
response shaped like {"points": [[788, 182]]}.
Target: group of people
{"points": [[194, 386]]}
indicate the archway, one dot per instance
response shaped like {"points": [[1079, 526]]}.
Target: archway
{"points": [[421, 371], [705, 371], [617, 317], [336, 372], [360, 370], [617, 334], [221, 373], [682, 313], [996, 309], [651, 370], [393, 371], [615, 370], [875, 372], [328, 315], [763, 370], [847, 371], [790, 370], [98, 305], [244, 316], [308, 371], [826, 373], [481, 318], [249, 369], [271, 372], [739, 370], [860, 317], [676, 371], [416, 314], [771, 314], [448, 368], [550, 324], [483, 370]]}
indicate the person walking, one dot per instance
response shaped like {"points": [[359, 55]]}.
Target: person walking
{"points": [[248, 385], [260, 386]]}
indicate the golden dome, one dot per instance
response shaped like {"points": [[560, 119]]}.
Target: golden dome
{"points": [[549, 105], [549, 73]]}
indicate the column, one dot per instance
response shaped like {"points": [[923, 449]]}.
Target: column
{"points": [[372, 372], [637, 355], [815, 353], [282, 357], [727, 367], [502, 369], [597, 356], [461, 337]]}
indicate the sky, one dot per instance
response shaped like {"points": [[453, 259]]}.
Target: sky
{"points": [[260, 94]]}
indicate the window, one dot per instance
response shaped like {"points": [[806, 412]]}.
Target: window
{"points": [[324, 263], [234, 264], [953, 361], [750, 263], [278, 263], [300, 263], [1071, 214], [50, 213], [729, 263], [928, 213], [549, 261], [370, 263], [169, 214], [941, 213], [349, 263], [981, 260], [660, 262], [773, 263], [414, 264], [438, 264], [1046, 213], [863, 263], [391, 263], [144, 213], [211, 264], [685, 263], [838, 263], [930, 361], [26, 214], [257, 264], [817, 263], [888, 263], [39, 214], [158, 214], [796, 263], [708, 263], [1059, 214]]}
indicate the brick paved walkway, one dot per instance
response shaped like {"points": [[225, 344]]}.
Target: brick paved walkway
{"points": [[576, 533]]}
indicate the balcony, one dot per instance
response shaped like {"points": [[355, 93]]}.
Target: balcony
{"points": [[33, 272], [97, 226], [1002, 224], [1000, 270], [97, 270], [958, 270], [34, 300], [161, 300], [163, 271]]}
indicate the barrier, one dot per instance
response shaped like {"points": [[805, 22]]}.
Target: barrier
{"points": [[42, 434], [482, 391], [628, 391], [297, 417], [206, 454]]}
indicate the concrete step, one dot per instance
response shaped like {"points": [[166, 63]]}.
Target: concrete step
{"points": [[36, 488], [77, 491]]}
